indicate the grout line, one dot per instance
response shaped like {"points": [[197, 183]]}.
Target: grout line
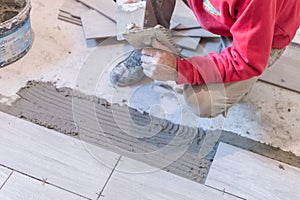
{"points": [[113, 170], [6, 179], [280, 86], [44, 181], [224, 192]]}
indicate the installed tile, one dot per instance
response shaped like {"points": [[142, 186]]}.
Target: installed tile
{"points": [[4, 174], [20, 187], [45, 154], [252, 176], [135, 180]]}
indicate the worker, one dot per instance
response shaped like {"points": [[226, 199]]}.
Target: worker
{"points": [[254, 33]]}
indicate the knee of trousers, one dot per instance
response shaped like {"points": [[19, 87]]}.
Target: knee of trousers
{"points": [[203, 102]]}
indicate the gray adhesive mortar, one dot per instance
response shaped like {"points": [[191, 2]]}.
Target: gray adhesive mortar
{"points": [[44, 104], [48, 106]]}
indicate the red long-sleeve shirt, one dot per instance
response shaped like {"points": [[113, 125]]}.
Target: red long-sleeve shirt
{"points": [[256, 26]]}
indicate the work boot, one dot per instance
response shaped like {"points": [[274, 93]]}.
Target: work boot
{"points": [[127, 72]]}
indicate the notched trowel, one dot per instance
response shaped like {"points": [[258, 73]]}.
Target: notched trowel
{"points": [[130, 71], [141, 38], [130, 26]]}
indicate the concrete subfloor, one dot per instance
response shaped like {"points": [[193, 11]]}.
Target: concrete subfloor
{"points": [[268, 113]]}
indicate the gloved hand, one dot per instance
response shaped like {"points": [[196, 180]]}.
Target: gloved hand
{"points": [[159, 63]]}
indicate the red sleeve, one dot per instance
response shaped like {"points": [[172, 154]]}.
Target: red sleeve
{"points": [[252, 34]]}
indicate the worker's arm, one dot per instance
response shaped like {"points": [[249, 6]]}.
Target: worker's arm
{"points": [[252, 34]]}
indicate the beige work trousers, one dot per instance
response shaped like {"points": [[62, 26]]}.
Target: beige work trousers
{"points": [[213, 99]]}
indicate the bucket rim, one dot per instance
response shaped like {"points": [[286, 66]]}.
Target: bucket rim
{"points": [[21, 16]]}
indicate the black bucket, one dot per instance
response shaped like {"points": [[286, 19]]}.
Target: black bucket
{"points": [[15, 30]]}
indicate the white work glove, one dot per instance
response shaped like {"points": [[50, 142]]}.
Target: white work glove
{"points": [[159, 63]]}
